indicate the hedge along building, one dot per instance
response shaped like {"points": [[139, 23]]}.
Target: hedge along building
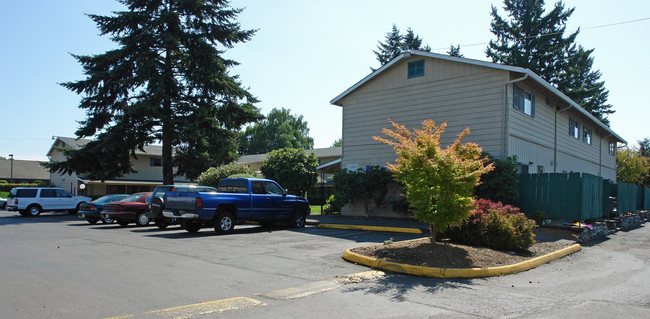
{"points": [[148, 165], [510, 111]]}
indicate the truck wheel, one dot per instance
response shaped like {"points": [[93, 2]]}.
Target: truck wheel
{"points": [[298, 219], [141, 219], [192, 227], [34, 210], [161, 223], [92, 221], [75, 210], [224, 223]]}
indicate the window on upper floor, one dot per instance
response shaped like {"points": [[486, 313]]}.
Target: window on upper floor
{"points": [[574, 128], [612, 148], [586, 135], [523, 101], [415, 69], [155, 162]]}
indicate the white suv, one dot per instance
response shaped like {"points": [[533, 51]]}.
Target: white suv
{"points": [[31, 201]]}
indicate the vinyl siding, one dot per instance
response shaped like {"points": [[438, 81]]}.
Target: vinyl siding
{"points": [[459, 94]]}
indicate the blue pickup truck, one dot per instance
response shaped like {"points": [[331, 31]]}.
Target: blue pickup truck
{"points": [[235, 200]]}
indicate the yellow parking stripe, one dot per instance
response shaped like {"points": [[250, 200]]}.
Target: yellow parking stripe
{"points": [[203, 308]]}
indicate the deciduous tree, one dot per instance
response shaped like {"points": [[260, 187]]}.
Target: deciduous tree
{"points": [[438, 182], [631, 166], [167, 82], [280, 129], [293, 168]]}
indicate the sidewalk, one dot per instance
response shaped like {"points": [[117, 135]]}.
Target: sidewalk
{"points": [[368, 223]]}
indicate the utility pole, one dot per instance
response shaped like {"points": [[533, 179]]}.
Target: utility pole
{"points": [[11, 172]]}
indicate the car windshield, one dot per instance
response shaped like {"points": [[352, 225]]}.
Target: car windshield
{"points": [[132, 198], [109, 198]]}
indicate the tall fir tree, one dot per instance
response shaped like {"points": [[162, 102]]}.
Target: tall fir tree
{"points": [[396, 43], [531, 39], [166, 82], [579, 82], [455, 51], [534, 40]]}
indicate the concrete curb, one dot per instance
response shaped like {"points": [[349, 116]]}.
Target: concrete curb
{"points": [[459, 272], [373, 228]]}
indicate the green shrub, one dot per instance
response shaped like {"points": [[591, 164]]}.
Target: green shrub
{"points": [[502, 183], [494, 225], [334, 205], [2, 181], [213, 175], [401, 206], [540, 218]]}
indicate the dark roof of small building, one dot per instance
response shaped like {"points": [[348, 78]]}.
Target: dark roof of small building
{"points": [[22, 169]]}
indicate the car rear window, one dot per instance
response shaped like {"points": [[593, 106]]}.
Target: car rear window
{"points": [[28, 192], [233, 186]]}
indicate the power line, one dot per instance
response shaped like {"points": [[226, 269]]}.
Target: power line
{"points": [[553, 33]]}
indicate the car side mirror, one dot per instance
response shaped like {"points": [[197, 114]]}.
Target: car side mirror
{"points": [[284, 192]]}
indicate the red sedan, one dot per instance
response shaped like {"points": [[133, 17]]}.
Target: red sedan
{"points": [[128, 210]]}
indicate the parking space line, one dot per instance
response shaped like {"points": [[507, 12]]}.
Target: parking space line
{"points": [[203, 308], [317, 287]]}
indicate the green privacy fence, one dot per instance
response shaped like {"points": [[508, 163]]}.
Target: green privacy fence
{"points": [[578, 196]]}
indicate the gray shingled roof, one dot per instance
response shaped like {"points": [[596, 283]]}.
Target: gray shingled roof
{"points": [[23, 170], [79, 143]]}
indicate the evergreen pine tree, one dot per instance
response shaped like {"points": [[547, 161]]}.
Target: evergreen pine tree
{"points": [[166, 82], [396, 43], [582, 85], [391, 48], [534, 40], [531, 39], [455, 51]]}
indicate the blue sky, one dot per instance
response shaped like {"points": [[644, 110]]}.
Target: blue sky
{"points": [[304, 54]]}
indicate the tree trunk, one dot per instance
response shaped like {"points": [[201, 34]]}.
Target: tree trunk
{"points": [[167, 167], [432, 228]]}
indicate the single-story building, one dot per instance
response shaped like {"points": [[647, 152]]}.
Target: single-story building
{"points": [[23, 171], [510, 111], [148, 165]]}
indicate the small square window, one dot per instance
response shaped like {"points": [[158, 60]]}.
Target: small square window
{"points": [[155, 162], [523, 101], [586, 135], [415, 69], [574, 128]]}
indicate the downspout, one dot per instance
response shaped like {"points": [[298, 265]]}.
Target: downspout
{"points": [[506, 114], [555, 139]]}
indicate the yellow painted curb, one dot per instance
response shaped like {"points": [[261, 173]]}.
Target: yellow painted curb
{"points": [[373, 228], [459, 272]]}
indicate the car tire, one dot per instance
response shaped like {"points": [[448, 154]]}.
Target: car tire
{"points": [[224, 223], [108, 220], [33, 210], [76, 210], [298, 219], [192, 227], [123, 224], [141, 219], [161, 223], [92, 221]]}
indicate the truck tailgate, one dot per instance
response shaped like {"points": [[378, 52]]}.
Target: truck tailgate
{"points": [[180, 201]]}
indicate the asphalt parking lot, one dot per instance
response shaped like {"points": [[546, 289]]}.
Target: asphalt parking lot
{"points": [[59, 266]]}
